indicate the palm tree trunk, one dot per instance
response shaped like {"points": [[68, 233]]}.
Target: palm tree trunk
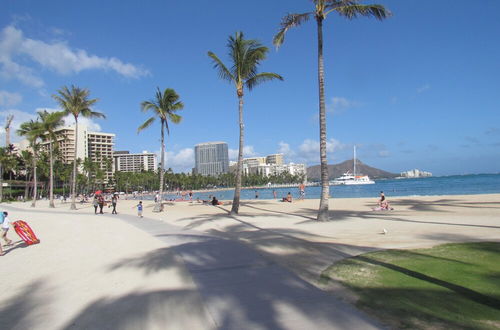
{"points": [[51, 177], [33, 203], [323, 204], [239, 170], [27, 187], [1, 183], [159, 204], [73, 184]]}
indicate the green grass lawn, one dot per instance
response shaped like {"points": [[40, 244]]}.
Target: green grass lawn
{"points": [[451, 286]]}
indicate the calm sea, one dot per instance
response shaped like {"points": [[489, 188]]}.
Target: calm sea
{"points": [[446, 185]]}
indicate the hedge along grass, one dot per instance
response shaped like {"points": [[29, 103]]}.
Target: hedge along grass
{"points": [[451, 286]]}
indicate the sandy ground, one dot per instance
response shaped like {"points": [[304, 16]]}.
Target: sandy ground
{"points": [[87, 261]]}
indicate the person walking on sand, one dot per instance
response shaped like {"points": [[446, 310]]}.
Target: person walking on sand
{"points": [[4, 219], [139, 209], [95, 203], [100, 200], [302, 191], [114, 200]]}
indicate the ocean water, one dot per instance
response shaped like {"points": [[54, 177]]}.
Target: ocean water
{"points": [[446, 185]]}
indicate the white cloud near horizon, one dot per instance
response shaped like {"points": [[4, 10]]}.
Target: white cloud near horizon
{"points": [[19, 118], [8, 99], [57, 56], [248, 151], [341, 104]]}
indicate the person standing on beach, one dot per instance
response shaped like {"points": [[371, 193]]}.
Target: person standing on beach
{"points": [[114, 200], [275, 194], [302, 191], [139, 209], [4, 219], [100, 201], [95, 203]]}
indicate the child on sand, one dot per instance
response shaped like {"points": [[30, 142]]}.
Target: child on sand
{"points": [[139, 209]]}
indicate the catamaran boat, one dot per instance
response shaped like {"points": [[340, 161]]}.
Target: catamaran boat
{"points": [[351, 179]]}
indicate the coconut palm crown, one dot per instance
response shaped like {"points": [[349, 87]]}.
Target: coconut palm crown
{"points": [[246, 56], [349, 9], [164, 106], [76, 102]]}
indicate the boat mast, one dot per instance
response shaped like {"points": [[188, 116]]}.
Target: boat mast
{"points": [[354, 160]]}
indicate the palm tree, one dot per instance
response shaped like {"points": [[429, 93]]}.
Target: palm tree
{"points": [[49, 122], [76, 102], [31, 130], [164, 107], [349, 9], [245, 55]]}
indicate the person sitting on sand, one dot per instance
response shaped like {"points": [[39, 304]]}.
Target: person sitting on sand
{"points": [[288, 198], [215, 201], [383, 204]]}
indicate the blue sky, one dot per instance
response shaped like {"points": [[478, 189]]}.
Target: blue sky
{"points": [[419, 90]]}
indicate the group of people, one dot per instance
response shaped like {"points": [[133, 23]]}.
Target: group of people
{"points": [[99, 202]]}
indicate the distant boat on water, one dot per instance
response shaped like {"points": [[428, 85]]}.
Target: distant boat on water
{"points": [[352, 179]]}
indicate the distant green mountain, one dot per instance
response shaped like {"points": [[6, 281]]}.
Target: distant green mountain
{"points": [[334, 171]]}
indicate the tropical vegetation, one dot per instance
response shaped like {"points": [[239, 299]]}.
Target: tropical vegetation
{"points": [[349, 9], [76, 102], [164, 106], [245, 56]]}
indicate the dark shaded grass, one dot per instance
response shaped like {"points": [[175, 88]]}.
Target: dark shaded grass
{"points": [[453, 286]]}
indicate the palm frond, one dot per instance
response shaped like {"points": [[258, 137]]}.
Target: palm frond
{"points": [[288, 22], [262, 77], [352, 11], [223, 71], [146, 124]]}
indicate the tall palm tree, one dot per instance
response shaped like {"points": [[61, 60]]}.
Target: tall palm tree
{"points": [[31, 130], [76, 102], [246, 56], [49, 122], [349, 9], [164, 106]]}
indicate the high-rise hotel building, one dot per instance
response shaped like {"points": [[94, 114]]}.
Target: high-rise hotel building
{"points": [[97, 146], [211, 158]]}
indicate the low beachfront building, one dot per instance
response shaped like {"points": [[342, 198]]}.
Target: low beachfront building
{"points": [[124, 161]]}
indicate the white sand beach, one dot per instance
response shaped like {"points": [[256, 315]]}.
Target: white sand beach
{"points": [[91, 271]]}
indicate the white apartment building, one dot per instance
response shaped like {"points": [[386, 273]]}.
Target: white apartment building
{"points": [[271, 165], [124, 161], [275, 159], [97, 146]]}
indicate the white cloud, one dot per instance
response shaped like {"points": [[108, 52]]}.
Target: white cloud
{"points": [[56, 56], [180, 161], [341, 104], [248, 151], [423, 88], [19, 118], [309, 150], [8, 99]]}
